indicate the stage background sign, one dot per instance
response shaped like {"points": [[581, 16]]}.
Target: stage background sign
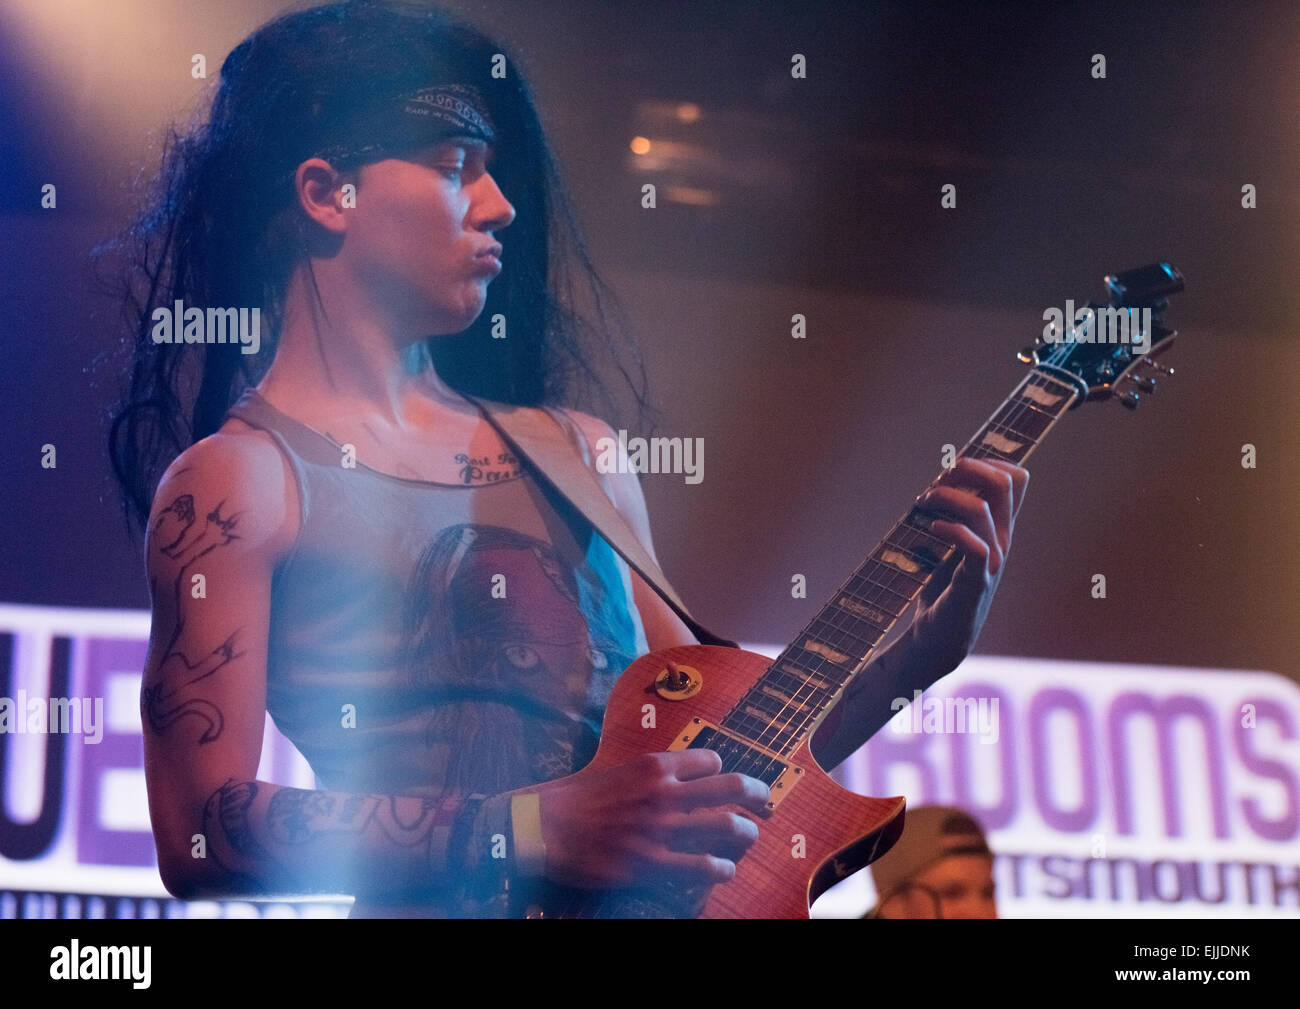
{"points": [[1107, 790]]}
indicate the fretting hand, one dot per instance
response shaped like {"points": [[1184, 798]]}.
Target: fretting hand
{"points": [[984, 495]]}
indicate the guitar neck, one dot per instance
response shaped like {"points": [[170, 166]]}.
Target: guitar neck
{"points": [[809, 676]]}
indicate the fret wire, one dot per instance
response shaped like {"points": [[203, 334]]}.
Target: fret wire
{"points": [[879, 586], [924, 559], [872, 626], [848, 631], [1024, 409], [889, 571], [809, 699], [1019, 434], [1027, 424], [856, 626], [852, 621], [1014, 412], [918, 531], [1029, 404], [900, 583]]}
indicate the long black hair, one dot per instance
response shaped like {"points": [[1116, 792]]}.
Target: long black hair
{"points": [[222, 228]]}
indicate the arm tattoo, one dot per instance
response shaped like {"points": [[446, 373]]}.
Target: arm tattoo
{"points": [[291, 810], [300, 816], [226, 826], [296, 817], [233, 800], [185, 539]]}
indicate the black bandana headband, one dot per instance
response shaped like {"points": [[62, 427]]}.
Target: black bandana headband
{"points": [[414, 119]]}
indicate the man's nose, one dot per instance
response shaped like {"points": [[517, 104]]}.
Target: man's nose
{"points": [[494, 209]]}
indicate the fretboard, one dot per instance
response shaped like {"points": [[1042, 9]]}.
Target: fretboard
{"points": [[809, 677]]}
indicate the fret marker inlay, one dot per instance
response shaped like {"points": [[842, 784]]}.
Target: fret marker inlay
{"points": [[1003, 445], [899, 561], [812, 645], [1040, 395], [867, 612]]}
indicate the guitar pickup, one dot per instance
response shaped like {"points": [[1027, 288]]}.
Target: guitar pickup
{"points": [[741, 756]]}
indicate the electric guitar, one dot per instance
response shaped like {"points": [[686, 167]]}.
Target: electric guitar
{"points": [[759, 714]]}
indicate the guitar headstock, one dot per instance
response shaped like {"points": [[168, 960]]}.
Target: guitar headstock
{"points": [[1110, 350]]}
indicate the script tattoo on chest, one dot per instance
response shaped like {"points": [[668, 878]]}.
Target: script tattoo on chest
{"points": [[490, 468]]}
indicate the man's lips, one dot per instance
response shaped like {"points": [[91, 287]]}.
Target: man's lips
{"points": [[489, 259]]}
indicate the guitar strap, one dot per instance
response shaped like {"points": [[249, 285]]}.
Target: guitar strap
{"points": [[538, 439]]}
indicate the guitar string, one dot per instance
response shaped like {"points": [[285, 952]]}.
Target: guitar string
{"points": [[975, 449], [1018, 411]]}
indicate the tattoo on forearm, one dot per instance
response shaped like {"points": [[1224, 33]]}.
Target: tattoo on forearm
{"points": [[300, 816], [184, 538], [295, 817], [289, 815], [228, 808]]}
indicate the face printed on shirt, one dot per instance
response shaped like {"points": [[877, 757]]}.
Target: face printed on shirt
{"points": [[498, 625]]}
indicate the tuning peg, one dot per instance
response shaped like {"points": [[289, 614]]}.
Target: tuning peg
{"points": [[1130, 400], [1151, 362], [1145, 384]]}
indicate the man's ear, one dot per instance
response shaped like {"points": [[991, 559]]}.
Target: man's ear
{"points": [[320, 194]]}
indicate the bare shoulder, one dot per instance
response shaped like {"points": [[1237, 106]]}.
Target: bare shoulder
{"points": [[602, 441], [663, 627], [235, 480], [593, 428], [622, 483]]}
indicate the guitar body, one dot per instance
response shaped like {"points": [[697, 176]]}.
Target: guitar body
{"points": [[779, 876]]}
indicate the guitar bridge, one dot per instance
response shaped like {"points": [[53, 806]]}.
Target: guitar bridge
{"points": [[741, 756]]}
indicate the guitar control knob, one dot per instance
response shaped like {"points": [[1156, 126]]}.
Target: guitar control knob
{"points": [[1130, 400], [676, 683]]}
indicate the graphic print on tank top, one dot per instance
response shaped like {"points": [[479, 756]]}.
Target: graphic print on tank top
{"points": [[522, 679]]}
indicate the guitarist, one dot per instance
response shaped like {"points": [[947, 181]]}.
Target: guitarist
{"points": [[336, 536]]}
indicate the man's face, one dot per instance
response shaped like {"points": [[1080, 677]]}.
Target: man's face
{"points": [[960, 886], [417, 233], [964, 885]]}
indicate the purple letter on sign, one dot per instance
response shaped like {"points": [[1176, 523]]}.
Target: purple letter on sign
{"points": [[1045, 702], [97, 845], [960, 744], [1285, 826]]}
